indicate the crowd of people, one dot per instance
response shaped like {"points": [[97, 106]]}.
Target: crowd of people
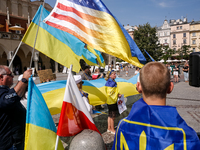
{"points": [[153, 90], [175, 71]]}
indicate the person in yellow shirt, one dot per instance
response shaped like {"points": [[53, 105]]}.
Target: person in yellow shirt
{"points": [[112, 96]]}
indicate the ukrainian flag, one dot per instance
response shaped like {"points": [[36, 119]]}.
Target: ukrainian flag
{"points": [[150, 127], [40, 129], [53, 92], [61, 46], [95, 25]]}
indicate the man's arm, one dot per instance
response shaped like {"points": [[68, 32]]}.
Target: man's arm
{"points": [[20, 88]]}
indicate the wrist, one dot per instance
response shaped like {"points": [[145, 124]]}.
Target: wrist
{"points": [[24, 80]]}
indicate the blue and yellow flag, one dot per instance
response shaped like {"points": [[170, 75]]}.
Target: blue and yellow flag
{"points": [[149, 55], [95, 25], [53, 92], [40, 129], [149, 127], [61, 46], [112, 91]]}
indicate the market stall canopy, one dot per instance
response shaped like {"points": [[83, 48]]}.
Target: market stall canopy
{"points": [[161, 60], [18, 28], [169, 61], [183, 60], [175, 60], [1, 26]]}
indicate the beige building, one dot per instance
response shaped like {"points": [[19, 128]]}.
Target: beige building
{"points": [[195, 36], [180, 33], [19, 13]]}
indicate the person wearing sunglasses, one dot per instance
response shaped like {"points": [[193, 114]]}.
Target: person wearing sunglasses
{"points": [[12, 112]]}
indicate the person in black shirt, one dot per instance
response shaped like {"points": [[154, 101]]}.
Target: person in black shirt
{"points": [[87, 74], [12, 112], [185, 71]]}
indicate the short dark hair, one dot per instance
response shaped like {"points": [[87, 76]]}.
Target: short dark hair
{"points": [[86, 67]]}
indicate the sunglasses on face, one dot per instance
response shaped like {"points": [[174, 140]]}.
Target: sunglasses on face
{"points": [[10, 74]]}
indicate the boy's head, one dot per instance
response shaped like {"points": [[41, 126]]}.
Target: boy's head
{"points": [[155, 80]]}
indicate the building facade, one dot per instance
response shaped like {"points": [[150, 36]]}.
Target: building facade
{"points": [[195, 36], [180, 34], [19, 13], [163, 33]]}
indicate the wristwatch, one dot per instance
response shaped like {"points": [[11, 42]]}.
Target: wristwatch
{"points": [[24, 80]]}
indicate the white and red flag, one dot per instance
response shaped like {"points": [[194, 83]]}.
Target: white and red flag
{"points": [[74, 114]]}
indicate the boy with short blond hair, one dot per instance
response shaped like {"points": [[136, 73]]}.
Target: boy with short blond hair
{"points": [[151, 125]]}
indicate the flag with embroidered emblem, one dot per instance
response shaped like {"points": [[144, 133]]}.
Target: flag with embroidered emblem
{"points": [[151, 127]]}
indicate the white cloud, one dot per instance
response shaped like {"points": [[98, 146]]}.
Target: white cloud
{"points": [[163, 4]]}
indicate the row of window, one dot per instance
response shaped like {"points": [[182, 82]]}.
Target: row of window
{"points": [[9, 6], [179, 27], [174, 35], [185, 42]]}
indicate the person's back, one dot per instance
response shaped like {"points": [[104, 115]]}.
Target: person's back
{"points": [[151, 124]]}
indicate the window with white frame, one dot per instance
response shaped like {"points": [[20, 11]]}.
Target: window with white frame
{"points": [[174, 35], [193, 34], [174, 42], [193, 41], [177, 28], [184, 34], [184, 41], [165, 40], [193, 49], [180, 27]]}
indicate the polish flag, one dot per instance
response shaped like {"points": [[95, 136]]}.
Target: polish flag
{"points": [[74, 114]]}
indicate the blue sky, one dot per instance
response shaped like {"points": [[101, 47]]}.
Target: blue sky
{"points": [[139, 12]]}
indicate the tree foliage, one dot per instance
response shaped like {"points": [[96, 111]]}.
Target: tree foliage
{"points": [[167, 53], [145, 38], [184, 52]]}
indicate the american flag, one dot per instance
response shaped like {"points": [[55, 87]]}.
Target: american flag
{"points": [[93, 23]]}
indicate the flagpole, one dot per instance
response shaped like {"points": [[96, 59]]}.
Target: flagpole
{"points": [[36, 34], [70, 71], [15, 54]]}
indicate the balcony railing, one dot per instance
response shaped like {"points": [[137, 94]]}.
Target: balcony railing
{"points": [[11, 36]]}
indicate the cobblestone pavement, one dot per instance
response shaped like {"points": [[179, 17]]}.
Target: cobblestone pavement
{"points": [[185, 97]]}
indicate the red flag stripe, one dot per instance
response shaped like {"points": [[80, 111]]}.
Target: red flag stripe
{"points": [[73, 21], [69, 31], [82, 15], [73, 122]]}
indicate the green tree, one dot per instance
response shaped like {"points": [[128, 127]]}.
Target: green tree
{"points": [[167, 53], [145, 38], [185, 51]]}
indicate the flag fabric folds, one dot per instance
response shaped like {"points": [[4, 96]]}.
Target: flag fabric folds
{"points": [[61, 46], [149, 127], [53, 92], [93, 23], [40, 128], [74, 115]]}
